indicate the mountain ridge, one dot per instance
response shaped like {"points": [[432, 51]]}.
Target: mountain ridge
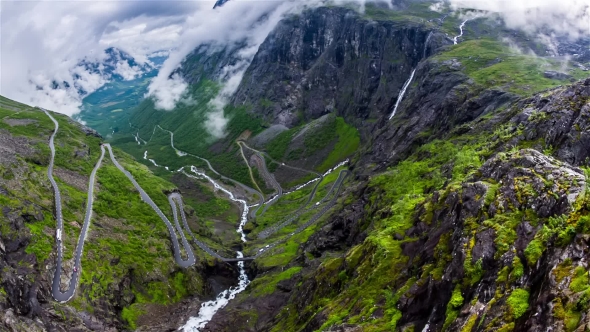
{"points": [[464, 211]]}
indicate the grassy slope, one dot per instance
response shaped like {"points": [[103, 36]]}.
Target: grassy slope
{"points": [[284, 206], [491, 64], [333, 131], [126, 238], [374, 274], [188, 122]]}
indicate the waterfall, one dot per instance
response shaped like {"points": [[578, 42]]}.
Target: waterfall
{"points": [[461, 31], [210, 308], [426, 45], [402, 93], [407, 84]]}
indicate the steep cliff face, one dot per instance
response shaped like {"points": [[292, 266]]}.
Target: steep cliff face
{"points": [[333, 60], [440, 99], [483, 229]]}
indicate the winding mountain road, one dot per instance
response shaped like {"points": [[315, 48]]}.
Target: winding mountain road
{"points": [[260, 163], [277, 227], [341, 177], [56, 291], [278, 162], [262, 156], [249, 168], [176, 203], [190, 260], [175, 197], [64, 296], [248, 189]]}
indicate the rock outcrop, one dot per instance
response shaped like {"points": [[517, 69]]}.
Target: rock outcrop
{"points": [[332, 59]]}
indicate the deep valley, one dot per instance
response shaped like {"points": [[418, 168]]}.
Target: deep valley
{"points": [[399, 168]]}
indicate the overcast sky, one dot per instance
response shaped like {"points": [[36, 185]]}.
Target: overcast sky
{"points": [[564, 17], [44, 40]]}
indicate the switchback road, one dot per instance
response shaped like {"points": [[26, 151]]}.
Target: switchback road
{"points": [[176, 204]]}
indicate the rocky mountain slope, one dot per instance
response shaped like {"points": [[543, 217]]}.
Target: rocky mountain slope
{"points": [[127, 267], [469, 208], [454, 172], [466, 210], [483, 229]]}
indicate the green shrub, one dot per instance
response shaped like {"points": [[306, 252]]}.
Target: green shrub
{"points": [[517, 268], [131, 314], [534, 251], [518, 302]]}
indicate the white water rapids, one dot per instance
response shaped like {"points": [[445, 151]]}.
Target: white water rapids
{"points": [[210, 308], [151, 160], [231, 196]]}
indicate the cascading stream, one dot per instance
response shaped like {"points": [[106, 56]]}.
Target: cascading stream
{"points": [[210, 308], [456, 38], [407, 84]]}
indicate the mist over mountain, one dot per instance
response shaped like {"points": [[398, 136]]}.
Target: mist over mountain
{"points": [[220, 3]]}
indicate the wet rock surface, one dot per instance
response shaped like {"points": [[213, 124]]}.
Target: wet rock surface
{"points": [[332, 59], [560, 121], [470, 245]]}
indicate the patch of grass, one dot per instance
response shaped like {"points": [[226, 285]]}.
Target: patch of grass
{"points": [[534, 251], [505, 227], [517, 268], [579, 281], [333, 130], [267, 284], [278, 146], [347, 144], [491, 64], [131, 314], [414, 13], [518, 302], [317, 138], [41, 244], [453, 307]]}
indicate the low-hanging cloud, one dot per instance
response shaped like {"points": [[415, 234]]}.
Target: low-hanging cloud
{"points": [[44, 42], [567, 18], [169, 92], [237, 22]]}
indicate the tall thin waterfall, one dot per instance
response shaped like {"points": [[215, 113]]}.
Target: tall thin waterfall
{"points": [[407, 84]]}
